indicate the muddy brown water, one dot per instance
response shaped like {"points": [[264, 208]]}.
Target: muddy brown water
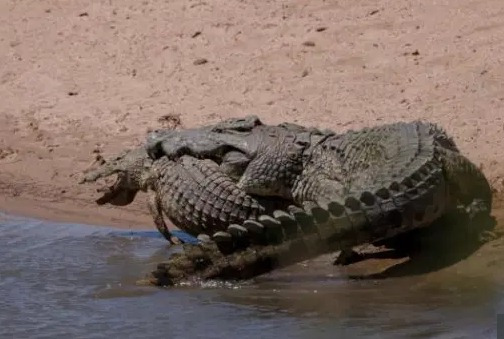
{"points": [[69, 280]]}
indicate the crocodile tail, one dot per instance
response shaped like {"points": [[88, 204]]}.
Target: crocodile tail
{"points": [[296, 234], [289, 237], [198, 198]]}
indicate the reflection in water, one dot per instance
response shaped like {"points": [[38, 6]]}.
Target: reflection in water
{"points": [[60, 280]]}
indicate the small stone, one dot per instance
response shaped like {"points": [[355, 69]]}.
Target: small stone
{"points": [[309, 43], [320, 29], [170, 121], [200, 61]]}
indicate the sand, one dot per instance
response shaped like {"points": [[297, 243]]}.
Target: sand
{"points": [[80, 77]]}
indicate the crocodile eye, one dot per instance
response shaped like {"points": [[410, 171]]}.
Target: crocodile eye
{"points": [[302, 143], [294, 154]]}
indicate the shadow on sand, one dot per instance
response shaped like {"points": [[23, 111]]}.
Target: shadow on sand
{"points": [[446, 242]]}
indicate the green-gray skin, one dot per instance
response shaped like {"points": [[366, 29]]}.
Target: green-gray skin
{"points": [[355, 188], [194, 194], [234, 143], [361, 186]]}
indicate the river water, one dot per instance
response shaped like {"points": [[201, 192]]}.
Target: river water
{"points": [[74, 281]]}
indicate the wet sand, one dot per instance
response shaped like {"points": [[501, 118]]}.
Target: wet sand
{"points": [[81, 77]]}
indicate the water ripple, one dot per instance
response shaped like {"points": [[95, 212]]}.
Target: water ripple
{"points": [[71, 280]]}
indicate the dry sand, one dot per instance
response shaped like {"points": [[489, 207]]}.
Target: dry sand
{"points": [[78, 76]]}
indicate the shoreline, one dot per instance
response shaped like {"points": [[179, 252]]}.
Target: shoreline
{"points": [[48, 206], [70, 212], [81, 80]]}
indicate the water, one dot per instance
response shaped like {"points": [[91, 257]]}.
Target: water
{"points": [[69, 280]]}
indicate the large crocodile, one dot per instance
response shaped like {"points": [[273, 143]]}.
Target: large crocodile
{"points": [[306, 164], [360, 186]]}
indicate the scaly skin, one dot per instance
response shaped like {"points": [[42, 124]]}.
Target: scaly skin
{"points": [[372, 159], [234, 143], [193, 193], [257, 247], [364, 186], [199, 198], [393, 178], [301, 164]]}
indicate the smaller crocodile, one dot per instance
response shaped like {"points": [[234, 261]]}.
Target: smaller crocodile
{"points": [[194, 194]]}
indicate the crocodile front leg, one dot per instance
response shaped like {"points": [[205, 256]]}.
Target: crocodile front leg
{"points": [[154, 205]]}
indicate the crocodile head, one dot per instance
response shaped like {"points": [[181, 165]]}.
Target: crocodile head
{"points": [[133, 170], [231, 143], [209, 142]]}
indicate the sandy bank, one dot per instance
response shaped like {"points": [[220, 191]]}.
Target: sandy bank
{"points": [[81, 76]]}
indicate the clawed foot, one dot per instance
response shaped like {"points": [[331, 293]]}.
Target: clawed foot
{"points": [[173, 240]]}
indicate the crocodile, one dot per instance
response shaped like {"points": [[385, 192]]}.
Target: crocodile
{"points": [[195, 195], [235, 142], [299, 163], [305, 164], [352, 188]]}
